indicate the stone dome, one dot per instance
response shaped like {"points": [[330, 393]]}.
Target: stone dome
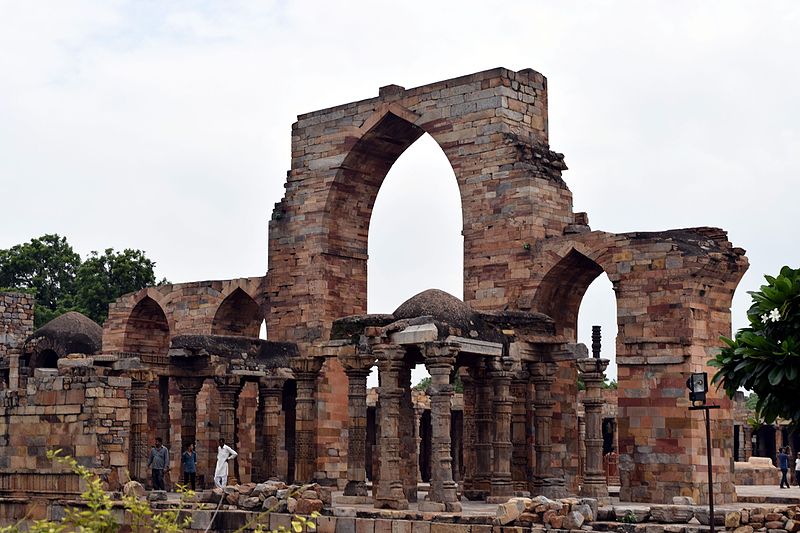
{"points": [[443, 307], [72, 332]]}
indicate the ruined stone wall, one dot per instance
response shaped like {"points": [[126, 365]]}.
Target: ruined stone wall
{"points": [[188, 308], [16, 325], [82, 410]]}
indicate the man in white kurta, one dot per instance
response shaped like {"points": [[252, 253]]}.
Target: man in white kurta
{"points": [[224, 454]]}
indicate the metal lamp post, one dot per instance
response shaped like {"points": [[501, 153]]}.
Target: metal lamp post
{"points": [[698, 387]]}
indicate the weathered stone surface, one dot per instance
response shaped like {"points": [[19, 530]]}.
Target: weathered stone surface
{"points": [[733, 519], [573, 520], [134, 488]]}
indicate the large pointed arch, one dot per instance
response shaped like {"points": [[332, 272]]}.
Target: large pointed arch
{"points": [[237, 315], [562, 289], [146, 329]]}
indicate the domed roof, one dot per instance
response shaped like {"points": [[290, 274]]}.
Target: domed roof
{"points": [[76, 332], [440, 305]]}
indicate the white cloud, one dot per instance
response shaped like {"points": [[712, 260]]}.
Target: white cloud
{"points": [[166, 126]]}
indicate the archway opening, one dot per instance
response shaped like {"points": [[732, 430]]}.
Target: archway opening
{"points": [[47, 359], [238, 315], [147, 330]]}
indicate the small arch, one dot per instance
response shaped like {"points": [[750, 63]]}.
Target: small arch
{"points": [[237, 315], [561, 291], [47, 359], [147, 329]]}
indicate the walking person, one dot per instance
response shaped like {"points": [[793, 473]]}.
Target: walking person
{"points": [[224, 454], [189, 463], [158, 464], [783, 464]]}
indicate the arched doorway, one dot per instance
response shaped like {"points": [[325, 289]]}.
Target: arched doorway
{"points": [[147, 330], [237, 315]]}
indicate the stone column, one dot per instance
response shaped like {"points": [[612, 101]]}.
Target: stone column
{"points": [[270, 394], [389, 492], [469, 432], [546, 482], [418, 440], [140, 383], [483, 434], [594, 479], [306, 370], [748, 441], [439, 363], [408, 472], [357, 367], [189, 387], [228, 388], [501, 486], [519, 437]]}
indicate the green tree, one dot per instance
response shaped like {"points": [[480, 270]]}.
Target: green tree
{"points": [[101, 279], [765, 357], [50, 269], [46, 265]]}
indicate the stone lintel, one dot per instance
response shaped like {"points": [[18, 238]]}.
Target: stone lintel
{"points": [[475, 346], [416, 334], [652, 360]]}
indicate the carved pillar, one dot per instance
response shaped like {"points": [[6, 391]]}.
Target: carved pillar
{"points": [[390, 486], [408, 471], [306, 370], [594, 480], [439, 363], [519, 438], [357, 367], [748, 441], [140, 382], [483, 435], [418, 441], [469, 433], [228, 388], [189, 387], [546, 482], [501, 486], [270, 394]]}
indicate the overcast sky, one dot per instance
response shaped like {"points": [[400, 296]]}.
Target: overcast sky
{"points": [[165, 126]]}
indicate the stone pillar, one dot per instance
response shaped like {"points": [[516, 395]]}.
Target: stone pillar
{"points": [[439, 363], [418, 440], [389, 492], [748, 441], [501, 487], [483, 435], [594, 479], [228, 388], [140, 383], [357, 367], [519, 437], [270, 394], [408, 472], [306, 370], [546, 482], [469, 432], [189, 387]]}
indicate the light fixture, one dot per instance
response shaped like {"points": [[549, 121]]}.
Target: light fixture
{"points": [[698, 387]]}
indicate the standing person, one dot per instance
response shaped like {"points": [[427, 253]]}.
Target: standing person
{"points": [[224, 454], [158, 463], [797, 469], [783, 464], [189, 463]]}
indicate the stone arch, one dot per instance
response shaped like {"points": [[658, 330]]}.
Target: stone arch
{"points": [[147, 330], [47, 358], [561, 290], [238, 315], [381, 141]]}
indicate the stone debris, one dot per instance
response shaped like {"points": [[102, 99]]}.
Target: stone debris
{"points": [[273, 496]]}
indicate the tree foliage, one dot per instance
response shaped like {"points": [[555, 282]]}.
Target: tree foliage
{"points": [[48, 267], [765, 357]]}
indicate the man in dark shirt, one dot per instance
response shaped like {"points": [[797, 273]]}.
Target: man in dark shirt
{"points": [[158, 463], [783, 464]]}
